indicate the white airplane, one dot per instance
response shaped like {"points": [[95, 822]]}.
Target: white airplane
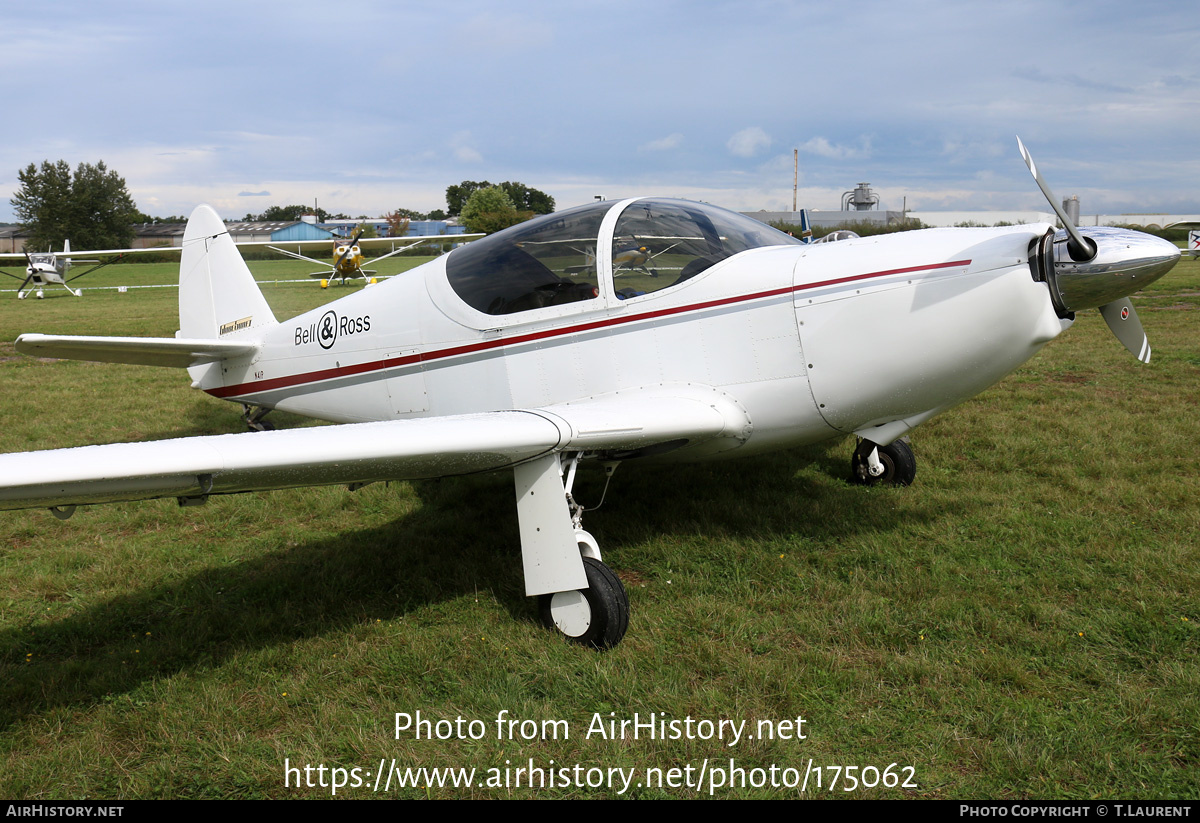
{"points": [[50, 268], [348, 257], [489, 358], [806, 232]]}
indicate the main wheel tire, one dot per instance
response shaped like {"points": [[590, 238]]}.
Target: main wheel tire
{"points": [[899, 464], [596, 616]]}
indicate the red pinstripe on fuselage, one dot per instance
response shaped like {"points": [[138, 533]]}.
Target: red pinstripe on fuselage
{"points": [[288, 381]]}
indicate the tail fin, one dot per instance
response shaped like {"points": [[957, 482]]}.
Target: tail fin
{"points": [[66, 247], [806, 235], [218, 297]]}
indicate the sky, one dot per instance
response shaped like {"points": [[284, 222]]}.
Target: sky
{"points": [[363, 107]]}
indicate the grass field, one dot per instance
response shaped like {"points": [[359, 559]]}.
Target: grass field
{"points": [[1022, 622]]}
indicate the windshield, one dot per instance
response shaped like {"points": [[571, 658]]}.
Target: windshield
{"points": [[661, 243]]}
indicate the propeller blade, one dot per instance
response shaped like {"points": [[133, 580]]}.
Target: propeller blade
{"points": [[1099, 268], [1081, 248], [1126, 327]]}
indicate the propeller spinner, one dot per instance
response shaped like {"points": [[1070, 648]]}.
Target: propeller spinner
{"points": [[1099, 267]]}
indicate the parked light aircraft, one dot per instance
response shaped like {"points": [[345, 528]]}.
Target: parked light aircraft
{"points": [[491, 358], [806, 232], [50, 268], [348, 257]]}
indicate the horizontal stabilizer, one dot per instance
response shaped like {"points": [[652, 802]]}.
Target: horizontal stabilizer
{"points": [[137, 351]]}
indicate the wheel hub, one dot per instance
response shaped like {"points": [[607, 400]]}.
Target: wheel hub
{"points": [[571, 612]]}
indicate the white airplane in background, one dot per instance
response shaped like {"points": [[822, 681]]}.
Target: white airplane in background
{"points": [[50, 268], [806, 232], [490, 358]]}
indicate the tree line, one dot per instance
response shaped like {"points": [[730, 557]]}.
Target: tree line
{"points": [[91, 206]]}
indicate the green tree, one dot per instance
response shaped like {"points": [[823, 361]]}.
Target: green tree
{"points": [[522, 197], [410, 214], [526, 199], [142, 217], [490, 210], [457, 196], [91, 208], [285, 213]]}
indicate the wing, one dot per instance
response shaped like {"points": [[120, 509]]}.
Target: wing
{"points": [[402, 243], [75, 255], [356, 453], [138, 351], [394, 244]]}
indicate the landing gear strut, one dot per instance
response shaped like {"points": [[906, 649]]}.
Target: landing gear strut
{"points": [[890, 465], [253, 416], [577, 594]]}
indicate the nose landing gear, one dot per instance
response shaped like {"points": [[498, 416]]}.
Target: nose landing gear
{"points": [[890, 465]]}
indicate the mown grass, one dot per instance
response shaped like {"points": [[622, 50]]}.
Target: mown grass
{"points": [[1020, 623]]}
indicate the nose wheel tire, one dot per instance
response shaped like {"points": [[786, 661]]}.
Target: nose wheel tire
{"points": [[899, 464], [596, 616]]}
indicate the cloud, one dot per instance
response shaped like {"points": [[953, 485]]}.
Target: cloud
{"points": [[1065, 78], [823, 148], [671, 141], [254, 194], [463, 151], [506, 34], [749, 142]]}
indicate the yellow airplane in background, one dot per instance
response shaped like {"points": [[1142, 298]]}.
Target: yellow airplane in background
{"points": [[348, 256]]}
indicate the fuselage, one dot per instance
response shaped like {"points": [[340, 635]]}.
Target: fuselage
{"points": [[348, 259], [46, 269], [871, 336]]}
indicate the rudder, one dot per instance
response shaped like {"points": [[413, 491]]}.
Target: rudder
{"points": [[218, 297]]}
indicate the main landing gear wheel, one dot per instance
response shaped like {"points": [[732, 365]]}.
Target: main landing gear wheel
{"points": [[596, 616], [897, 466]]}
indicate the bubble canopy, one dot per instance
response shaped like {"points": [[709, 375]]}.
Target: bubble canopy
{"points": [[582, 254]]}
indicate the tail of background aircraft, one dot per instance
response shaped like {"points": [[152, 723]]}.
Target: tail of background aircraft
{"points": [[806, 235], [218, 297]]}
